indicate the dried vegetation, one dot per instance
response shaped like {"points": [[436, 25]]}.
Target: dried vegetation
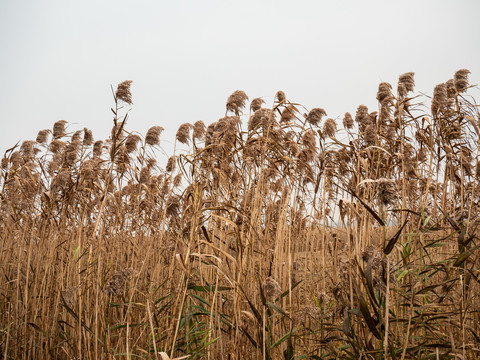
{"points": [[293, 239]]}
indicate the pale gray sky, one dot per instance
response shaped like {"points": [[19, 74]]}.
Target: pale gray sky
{"points": [[59, 57]]}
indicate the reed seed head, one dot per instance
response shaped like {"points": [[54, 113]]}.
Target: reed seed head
{"points": [[330, 127], [440, 98], [288, 114], [362, 117], [199, 130], [123, 92], [370, 135], [384, 91], [77, 135], [63, 178], [280, 96], [59, 128], [69, 295], [372, 255], [451, 89], [256, 104], [236, 101], [54, 164], [271, 288], [262, 117], [309, 140], [116, 284], [387, 191], [406, 83], [98, 148], [131, 142], [177, 181], [173, 205], [171, 164], [56, 146], [315, 116], [42, 136], [153, 135], [347, 121], [87, 137], [461, 80], [144, 175], [183, 133], [27, 149]]}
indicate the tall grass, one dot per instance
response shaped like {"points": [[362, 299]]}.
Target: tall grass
{"points": [[289, 238]]}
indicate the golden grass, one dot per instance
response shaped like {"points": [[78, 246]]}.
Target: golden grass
{"points": [[293, 239]]}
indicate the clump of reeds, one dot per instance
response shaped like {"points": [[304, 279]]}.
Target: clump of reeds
{"points": [[276, 234]]}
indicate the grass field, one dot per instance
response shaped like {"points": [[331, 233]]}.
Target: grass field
{"points": [[279, 234]]}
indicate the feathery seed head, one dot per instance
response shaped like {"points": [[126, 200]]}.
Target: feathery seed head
{"points": [[236, 101], [210, 132], [256, 104], [177, 181], [371, 252], [144, 175], [261, 117], [16, 159], [183, 133], [387, 191], [451, 89], [440, 98], [362, 116], [330, 127], [406, 83], [288, 113], [385, 110], [315, 116], [123, 92], [461, 80], [54, 164], [63, 178], [42, 136], [87, 137], [271, 287], [199, 130], [384, 91], [122, 158], [116, 284], [370, 135], [171, 164], [72, 151], [98, 147], [347, 121], [280, 96], [173, 205], [27, 150], [76, 136], [131, 142], [309, 140], [153, 135], [56, 146], [59, 128]]}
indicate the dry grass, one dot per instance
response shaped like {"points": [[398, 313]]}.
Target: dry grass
{"points": [[293, 239]]}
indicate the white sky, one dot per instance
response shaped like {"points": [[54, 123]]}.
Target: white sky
{"points": [[58, 58]]}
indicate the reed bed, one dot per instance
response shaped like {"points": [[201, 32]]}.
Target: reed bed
{"points": [[278, 233]]}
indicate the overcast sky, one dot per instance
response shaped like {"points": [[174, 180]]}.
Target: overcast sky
{"points": [[59, 58]]}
